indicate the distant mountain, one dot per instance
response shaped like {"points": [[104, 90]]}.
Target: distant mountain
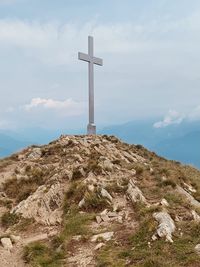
{"points": [[178, 142], [186, 148], [9, 145], [11, 141]]}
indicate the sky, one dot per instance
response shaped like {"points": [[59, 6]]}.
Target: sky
{"points": [[151, 62]]}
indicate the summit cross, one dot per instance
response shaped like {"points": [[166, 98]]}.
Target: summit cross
{"points": [[91, 128]]}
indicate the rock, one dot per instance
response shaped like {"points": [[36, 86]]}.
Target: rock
{"points": [[164, 203], [135, 193], [189, 188], [166, 225], [6, 243], [81, 203], [36, 153], [104, 236], [77, 237], [15, 238], [98, 246], [154, 238], [35, 238], [107, 165], [105, 194], [197, 249], [195, 216], [91, 187], [44, 205], [98, 219], [189, 197], [105, 218], [112, 214], [163, 178], [104, 212], [151, 170]]}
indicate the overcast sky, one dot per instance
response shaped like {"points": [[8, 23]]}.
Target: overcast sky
{"points": [[151, 52]]}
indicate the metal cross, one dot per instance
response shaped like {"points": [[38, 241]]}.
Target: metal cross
{"points": [[91, 128]]}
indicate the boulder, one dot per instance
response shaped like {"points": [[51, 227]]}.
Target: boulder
{"points": [[135, 194], [105, 194], [195, 216], [6, 243], [104, 236], [166, 226], [197, 249]]}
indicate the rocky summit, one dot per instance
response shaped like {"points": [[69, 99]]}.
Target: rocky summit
{"points": [[96, 201]]}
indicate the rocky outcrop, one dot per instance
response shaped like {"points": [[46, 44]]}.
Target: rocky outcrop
{"points": [[45, 205], [135, 194], [188, 196], [104, 236], [6, 243], [166, 226]]}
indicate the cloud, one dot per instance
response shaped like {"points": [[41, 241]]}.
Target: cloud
{"points": [[173, 117], [67, 107], [10, 2], [55, 42]]}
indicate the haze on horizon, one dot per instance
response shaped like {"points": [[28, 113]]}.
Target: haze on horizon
{"points": [[151, 62]]}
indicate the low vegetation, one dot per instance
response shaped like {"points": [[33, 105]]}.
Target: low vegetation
{"points": [[43, 255], [9, 219], [24, 187]]}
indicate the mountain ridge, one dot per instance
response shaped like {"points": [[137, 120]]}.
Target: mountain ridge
{"points": [[96, 201]]}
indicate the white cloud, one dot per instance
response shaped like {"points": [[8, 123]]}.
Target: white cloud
{"points": [[173, 117], [57, 43], [67, 107]]}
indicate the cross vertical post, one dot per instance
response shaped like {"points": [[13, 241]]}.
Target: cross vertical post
{"points": [[91, 128]]}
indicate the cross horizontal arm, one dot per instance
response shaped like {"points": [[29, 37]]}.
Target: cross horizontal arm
{"points": [[98, 61], [84, 57]]}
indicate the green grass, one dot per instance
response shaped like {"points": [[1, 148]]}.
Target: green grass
{"points": [[94, 202], [76, 224], [74, 195], [40, 255]]}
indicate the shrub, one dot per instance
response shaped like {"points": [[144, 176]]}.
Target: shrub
{"points": [[74, 195], [169, 182], [21, 189], [77, 174], [93, 202], [9, 219], [139, 170], [38, 254]]}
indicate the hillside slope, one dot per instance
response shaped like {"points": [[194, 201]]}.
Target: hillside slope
{"points": [[95, 201]]}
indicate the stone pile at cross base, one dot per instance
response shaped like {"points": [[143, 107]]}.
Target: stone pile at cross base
{"points": [[117, 188]]}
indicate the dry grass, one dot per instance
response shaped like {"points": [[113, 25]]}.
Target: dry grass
{"points": [[24, 187]]}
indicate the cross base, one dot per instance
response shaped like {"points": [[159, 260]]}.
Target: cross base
{"points": [[91, 129]]}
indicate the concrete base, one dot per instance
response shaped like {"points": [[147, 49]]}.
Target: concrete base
{"points": [[91, 129]]}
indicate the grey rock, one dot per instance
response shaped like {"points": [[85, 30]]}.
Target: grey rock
{"points": [[6, 243], [166, 225]]}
